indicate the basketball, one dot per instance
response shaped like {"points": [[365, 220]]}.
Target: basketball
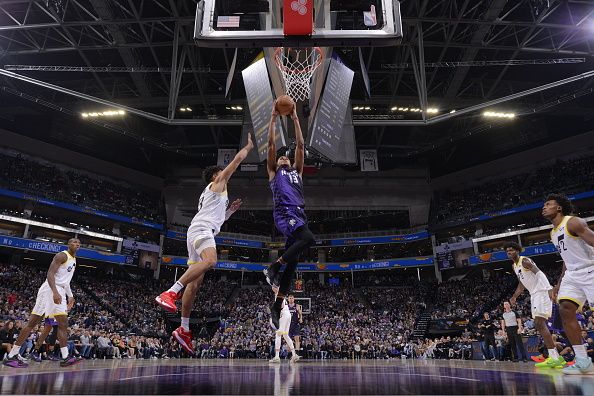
{"points": [[284, 105]]}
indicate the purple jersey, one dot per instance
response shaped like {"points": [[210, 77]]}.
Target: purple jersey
{"points": [[287, 188]]}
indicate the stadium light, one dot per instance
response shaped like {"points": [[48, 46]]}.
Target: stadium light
{"points": [[495, 114], [106, 113], [185, 108]]}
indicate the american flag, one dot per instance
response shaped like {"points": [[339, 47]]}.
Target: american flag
{"points": [[228, 21]]}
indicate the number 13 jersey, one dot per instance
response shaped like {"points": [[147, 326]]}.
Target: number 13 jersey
{"points": [[575, 252], [211, 211]]}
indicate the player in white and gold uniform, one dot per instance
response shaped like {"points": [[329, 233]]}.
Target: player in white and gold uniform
{"points": [[202, 252], [531, 278], [283, 331], [575, 242], [54, 299]]}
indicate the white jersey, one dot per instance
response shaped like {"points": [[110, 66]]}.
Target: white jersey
{"points": [[285, 311], [64, 273], [531, 281], [575, 252], [211, 211]]}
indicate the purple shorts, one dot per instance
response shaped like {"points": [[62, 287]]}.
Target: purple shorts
{"points": [[287, 219], [295, 329]]}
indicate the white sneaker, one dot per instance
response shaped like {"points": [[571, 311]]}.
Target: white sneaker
{"points": [[581, 366], [275, 359], [295, 358]]}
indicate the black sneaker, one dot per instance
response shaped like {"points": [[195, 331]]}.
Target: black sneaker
{"points": [[69, 361], [275, 315], [271, 276]]}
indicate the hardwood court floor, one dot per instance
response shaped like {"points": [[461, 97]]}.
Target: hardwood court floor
{"points": [[338, 377]]}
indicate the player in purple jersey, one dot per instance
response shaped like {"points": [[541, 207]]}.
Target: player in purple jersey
{"points": [[289, 211]]}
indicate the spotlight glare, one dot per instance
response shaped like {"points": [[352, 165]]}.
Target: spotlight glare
{"points": [[85, 115], [394, 108], [367, 108], [495, 114], [453, 111], [239, 108]]}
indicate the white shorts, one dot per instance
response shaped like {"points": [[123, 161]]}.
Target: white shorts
{"points": [[541, 304], [578, 286], [197, 241], [284, 324], [45, 306]]}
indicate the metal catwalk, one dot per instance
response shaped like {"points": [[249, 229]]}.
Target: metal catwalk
{"points": [[340, 377]]}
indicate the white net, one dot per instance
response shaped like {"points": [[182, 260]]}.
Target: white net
{"points": [[297, 65]]}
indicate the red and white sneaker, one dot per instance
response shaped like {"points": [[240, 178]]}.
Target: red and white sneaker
{"points": [[184, 338], [167, 301]]}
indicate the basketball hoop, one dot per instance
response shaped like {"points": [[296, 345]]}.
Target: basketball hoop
{"points": [[297, 65]]}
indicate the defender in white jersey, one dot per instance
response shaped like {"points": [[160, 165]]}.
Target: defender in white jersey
{"points": [[283, 331], [202, 253], [531, 278], [54, 299], [575, 242]]}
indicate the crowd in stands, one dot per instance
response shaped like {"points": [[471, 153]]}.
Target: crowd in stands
{"points": [[469, 297], [567, 176], [115, 317], [24, 174]]}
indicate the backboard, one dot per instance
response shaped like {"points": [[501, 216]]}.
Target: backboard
{"points": [[261, 24]]}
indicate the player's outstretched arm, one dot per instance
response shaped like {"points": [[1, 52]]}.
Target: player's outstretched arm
{"points": [[271, 160], [224, 176], [58, 260], [300, 143], [234, 207], [579, 227]]}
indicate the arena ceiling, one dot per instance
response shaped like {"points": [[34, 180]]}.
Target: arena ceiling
{"points": [[462, 52]]}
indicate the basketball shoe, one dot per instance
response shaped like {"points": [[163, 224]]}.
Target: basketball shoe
{"points": [[167, 301], [184, 338]]}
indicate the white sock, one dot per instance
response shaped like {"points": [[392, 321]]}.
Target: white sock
{"points": [[277, 345], [176, 288], [289, 342], [14, 351], [64, 352], [185, 323], [580, 351], [553, 353]]}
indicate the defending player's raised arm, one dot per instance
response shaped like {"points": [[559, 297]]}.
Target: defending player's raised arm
{"points": [[299, 142], [271, 160], [58, 260], [224, 176], [579, 227]]}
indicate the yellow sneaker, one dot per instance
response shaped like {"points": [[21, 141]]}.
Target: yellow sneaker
{"points": [[552, 363]]}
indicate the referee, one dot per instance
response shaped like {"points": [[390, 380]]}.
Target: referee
{"points": [[513, 328]]}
